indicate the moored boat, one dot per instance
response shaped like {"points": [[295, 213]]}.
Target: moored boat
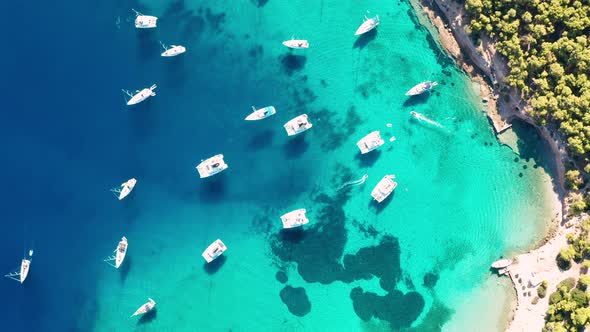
{"points": [[125, 188], [421, 88], [294, 218], [262, 113], [384, 188], [173, 50], [297, 125], [370, 142], [502, 263], [144, 21], [296, 43], [23, 272], [214, 250], [368, 25], [211, 166], [120, 253], [139, 96], [145, 308]]}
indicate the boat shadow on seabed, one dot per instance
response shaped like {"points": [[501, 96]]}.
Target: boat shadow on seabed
{"points": [[214, 266], [364, 39], [148, 317], [378, 207]]}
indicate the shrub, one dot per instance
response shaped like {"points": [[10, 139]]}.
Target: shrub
{"points": [[586, 264], [573, 179], [542, 290], [577, 203], [569, 283], [535, 300], [580, 297], [555, 297], [565, 257]]}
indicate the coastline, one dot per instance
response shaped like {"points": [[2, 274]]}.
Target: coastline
{"points": [[503, 104]]}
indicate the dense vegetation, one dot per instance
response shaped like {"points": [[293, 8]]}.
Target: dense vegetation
{"points": [[548, 49]]}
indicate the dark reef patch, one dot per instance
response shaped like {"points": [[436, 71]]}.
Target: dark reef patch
{"points": [[281, 277], [367, 231], [292, 63], [335, 132], [296, 300], [259, 3], [396, 308], [212, 190], [430, 280], [296, 146], [261, 140]]}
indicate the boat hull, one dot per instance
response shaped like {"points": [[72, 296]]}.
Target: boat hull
{"points": [[214, 250], [261, 114], [384, 188], [296, 43], [502, 263], [24, 270], [205, 171], [370, 142], [174, 51], [298, 125], [367, 26], [294, 219]]}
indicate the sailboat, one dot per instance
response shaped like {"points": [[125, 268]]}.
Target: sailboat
{"points": [[214, 250], [125, 189], [146, 307], [384, 188], [211, 166], [25, 264], [174, 50], [140, 96], [294, 218], [297, 125], [370, 142], [119, 255], [420, 88], [296, 43], [262, 113], [368, 25], [144, 21]]}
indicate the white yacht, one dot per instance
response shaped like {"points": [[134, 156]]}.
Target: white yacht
{"points": [[370, 142], [144, 21], [25, 264], [146, 307], [119, 255], [294, 218], [124, 189], [384, 188], [421, 88], [296, 43], [368, 25], [262, 113], [214, 250], [211, 166], [297, 125], [502, 263], [173, 50], [139, 96]]}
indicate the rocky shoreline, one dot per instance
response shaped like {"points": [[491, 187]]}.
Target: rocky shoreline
{"points": [[487, 68]]}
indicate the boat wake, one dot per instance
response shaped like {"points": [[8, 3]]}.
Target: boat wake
{"points": [[423, 118], [354, 183]]}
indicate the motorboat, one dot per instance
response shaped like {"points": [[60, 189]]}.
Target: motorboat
{"points": [[370, 142], [211, 166], [294, 218], [125, 188], [421, 88], [368, 25], [502, 263], [297, 125], [22, 274], [296, 43], [384, 188], [262, 113], [214, 250], [144, 21], [139, 96], [145, 308], [173, 50], [119, 255]]}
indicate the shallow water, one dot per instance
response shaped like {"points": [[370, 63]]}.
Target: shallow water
{"points": [[462, 200]]}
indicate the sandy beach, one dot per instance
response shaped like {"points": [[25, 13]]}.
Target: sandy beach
{"points": [[487, 69]]}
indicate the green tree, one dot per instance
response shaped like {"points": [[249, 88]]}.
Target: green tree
{"points": [[573, 179]]}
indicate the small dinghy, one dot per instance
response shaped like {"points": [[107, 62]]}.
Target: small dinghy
{"points": [[262, 113], [211, 166], [421, 88], [174, 50], [214, 250], [296, 43], [145, 308], [125, 189], [384, 188], [140, 96], [297, 125], [502, 263], [119, 255], [144, 21], [370, 142], [294, 218], [25, 264], [368, 25]]}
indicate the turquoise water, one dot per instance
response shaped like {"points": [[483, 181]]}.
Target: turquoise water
{"points": [[420, 259]]}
